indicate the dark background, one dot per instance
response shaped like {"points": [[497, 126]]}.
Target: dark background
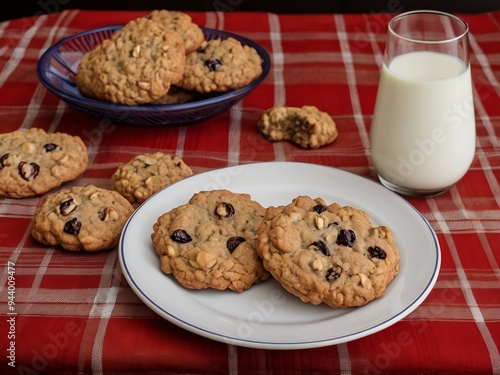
{"points": [[25, 8]]}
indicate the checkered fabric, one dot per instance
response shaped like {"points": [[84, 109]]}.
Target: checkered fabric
{"points": [[75, 312]]}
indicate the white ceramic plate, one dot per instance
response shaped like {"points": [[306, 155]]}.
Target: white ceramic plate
{"points": [[266, 316]]}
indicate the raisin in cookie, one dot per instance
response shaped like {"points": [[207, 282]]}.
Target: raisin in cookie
{"points": [[327, 253], [146, 174], [220, 65], [136, 65], [307, 126], [210, 241], [32, 161], [182, 24], [81, 218]]}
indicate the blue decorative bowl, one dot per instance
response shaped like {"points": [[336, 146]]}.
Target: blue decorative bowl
{"points": [[57, 67]]}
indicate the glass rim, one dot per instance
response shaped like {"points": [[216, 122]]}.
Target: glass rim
{"points": [[434, 12]]}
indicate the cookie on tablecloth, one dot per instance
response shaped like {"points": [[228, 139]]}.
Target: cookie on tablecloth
{"points": [[220, 65], [306, 126], [136, 65], [32, 161], [182, 24], [327, 253], [81, 218], [209, 242], [146, 174]]}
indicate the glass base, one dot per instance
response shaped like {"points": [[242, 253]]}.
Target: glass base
{"points": [[418, 193]]}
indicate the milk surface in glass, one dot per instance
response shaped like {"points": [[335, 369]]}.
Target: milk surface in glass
{"points": [[423, 130]]}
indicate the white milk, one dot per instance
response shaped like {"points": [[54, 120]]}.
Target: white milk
{"points": [[423, 130]]}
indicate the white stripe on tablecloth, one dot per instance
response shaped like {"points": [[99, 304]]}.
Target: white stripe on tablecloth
{"points": [[351, 79], [220, 20], [59, 29], [111, 283], [484, 63], [13, 259], [3, 26], [35, 103], [14, 61], [232, 359], [20, 50], [487, 170], [278, 60], [491, 178], [467, 290], [104, 302], [485, 66], [35, 285], [485, 119], [278, 79], [444, 310], [471, 217], [40, 90], [110, 280], [211, 20], [235, 117], [344, 359], [61, 107], [233, 147], [33, 107], [181, 141], [377, 53], [479, 319]]}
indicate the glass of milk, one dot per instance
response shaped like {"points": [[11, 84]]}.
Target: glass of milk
{"points": [[423, 134]]}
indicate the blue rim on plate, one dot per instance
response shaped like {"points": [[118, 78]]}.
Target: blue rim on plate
{"points": [[57, 66]]}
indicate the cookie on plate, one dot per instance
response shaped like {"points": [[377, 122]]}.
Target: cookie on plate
{"points": [[306, 126], [32, 161], [220, 65], [327, 253], [182, 24], [209, 242], [136, 65], [146, 174], [81, 218]]}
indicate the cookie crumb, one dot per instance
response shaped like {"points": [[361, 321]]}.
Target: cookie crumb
{"points": [[306, 126]]}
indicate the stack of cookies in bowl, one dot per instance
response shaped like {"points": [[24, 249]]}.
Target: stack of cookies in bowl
{"points": [[163, 58]]}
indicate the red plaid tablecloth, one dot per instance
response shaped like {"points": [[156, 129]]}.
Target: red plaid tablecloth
{"points": [[75, 312]]}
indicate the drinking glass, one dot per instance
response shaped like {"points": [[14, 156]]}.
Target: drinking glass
{"points": [[423, 134]]}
